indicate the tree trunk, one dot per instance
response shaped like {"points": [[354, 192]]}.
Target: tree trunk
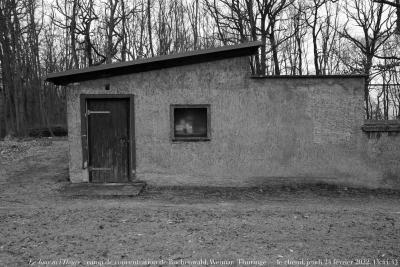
{"points": [[274, 49], [72, 31], [149, 27], [263, 63], [315, 51]]}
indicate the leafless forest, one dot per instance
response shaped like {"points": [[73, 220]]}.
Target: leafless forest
{"points": [[301, 37]]}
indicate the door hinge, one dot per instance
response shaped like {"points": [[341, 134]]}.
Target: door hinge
{"points": [[99, 169], [89, 112]]}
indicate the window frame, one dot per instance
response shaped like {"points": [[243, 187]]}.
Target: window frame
{"points": [[192, 138]]}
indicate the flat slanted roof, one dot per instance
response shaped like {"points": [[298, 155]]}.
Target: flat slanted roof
{"points": [[160, 62]]}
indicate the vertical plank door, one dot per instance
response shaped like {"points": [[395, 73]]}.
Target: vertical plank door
{"points": [[108, 136]]}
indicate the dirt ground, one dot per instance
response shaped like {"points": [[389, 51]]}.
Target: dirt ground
{"points": [[314, 225]]}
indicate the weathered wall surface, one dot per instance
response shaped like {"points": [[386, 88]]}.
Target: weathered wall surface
{"points": [[76, 172], [2, 115], [262, 130], [382, 151]]}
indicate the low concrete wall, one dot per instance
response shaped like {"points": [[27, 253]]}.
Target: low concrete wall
{"points": [[263, 131], [383, 153]]}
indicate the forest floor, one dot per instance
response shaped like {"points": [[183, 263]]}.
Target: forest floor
{"points": [[308, 226]]}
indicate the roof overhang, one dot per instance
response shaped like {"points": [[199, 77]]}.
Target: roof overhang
{"points": [[154, 63]]}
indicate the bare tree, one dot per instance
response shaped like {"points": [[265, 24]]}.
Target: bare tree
{"points": [[86, 16], [395, 4], [37, 39], [374, 21]]}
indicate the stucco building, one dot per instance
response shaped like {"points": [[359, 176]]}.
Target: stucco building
{"points": [[201, 118]]}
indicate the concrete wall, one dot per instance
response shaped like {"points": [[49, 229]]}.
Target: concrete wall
{"points": [[262, 130]]}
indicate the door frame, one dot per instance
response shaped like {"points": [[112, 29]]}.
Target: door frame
{"points": [[131, 126]]}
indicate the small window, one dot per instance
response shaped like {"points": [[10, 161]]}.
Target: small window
{"points": [[190, 122]]}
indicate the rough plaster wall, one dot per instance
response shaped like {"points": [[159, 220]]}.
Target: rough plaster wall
{"points": [[2, 116], [76, 172], [383, 154], [262, 130]]}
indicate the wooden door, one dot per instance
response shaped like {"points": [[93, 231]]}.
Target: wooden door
{"points": [[108, 140]]}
